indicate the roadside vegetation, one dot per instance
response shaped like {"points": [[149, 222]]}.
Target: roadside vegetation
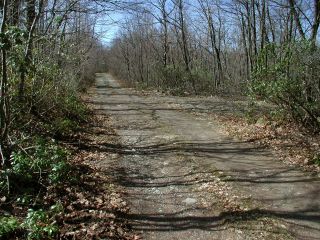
{"points": [[49, 56], [261, 51], [265, 49], [50, 52]]}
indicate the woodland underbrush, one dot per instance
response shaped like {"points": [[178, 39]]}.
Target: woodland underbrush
{"points": [[35, 161], [47, 188], [46, 61]]}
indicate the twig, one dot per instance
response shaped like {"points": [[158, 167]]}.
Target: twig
{"points": [[8, 184], [2, 156], [7, 176]]}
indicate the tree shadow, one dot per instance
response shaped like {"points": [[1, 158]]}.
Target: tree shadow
{"points": [[243, 169], [194, 218], [178, 222]]}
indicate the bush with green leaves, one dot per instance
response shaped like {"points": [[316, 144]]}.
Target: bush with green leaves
{"points": [[46, 163], [62, 126], [41, 224], [8, 225], [177, 80], [50, 96], [38, 224], [288, 76], [174, 79], [316, 159], [74, 108]]}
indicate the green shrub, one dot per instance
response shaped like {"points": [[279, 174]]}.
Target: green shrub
{"points": [[178, 81], [59, 172], [73, 108], [46, 163], [8, 225], [316, 159], [62, 126], [288, 77], [50, 97], [68, 114], [38, 224], [41, 224]]}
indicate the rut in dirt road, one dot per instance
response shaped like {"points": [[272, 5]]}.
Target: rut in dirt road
{"points": [[186, 180]]}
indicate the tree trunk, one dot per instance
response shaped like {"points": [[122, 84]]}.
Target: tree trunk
{"points": [[272, 27], [4, 98], [253, 26], [32, 19], [263, 25], [316, 21], [292, 4], [185, 49], [215, 49]]}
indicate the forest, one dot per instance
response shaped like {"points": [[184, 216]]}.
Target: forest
{"points": [[265, 49], [257, 50], [50, 53]]}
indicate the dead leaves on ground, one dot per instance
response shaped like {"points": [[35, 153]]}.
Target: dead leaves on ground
{"points": [[93, 205], [288, 142]]}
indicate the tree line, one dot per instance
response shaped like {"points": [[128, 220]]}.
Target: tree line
{"points": [[49, 49], [267, 48]]}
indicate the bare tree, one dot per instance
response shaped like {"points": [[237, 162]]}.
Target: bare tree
{"points": [[4, 98]]}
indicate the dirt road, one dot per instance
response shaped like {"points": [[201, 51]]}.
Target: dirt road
{"points": [[186, 180]]}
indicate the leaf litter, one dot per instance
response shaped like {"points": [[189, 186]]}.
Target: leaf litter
{"points": [[93, 204], [287, 140]]}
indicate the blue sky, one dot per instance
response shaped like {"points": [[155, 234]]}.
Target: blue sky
{"points": [[107, 26]]}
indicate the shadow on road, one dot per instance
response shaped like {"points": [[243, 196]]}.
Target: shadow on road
{"points": [[246, 166]]}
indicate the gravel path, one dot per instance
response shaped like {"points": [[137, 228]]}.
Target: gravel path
{"points": [[186, 180]]}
